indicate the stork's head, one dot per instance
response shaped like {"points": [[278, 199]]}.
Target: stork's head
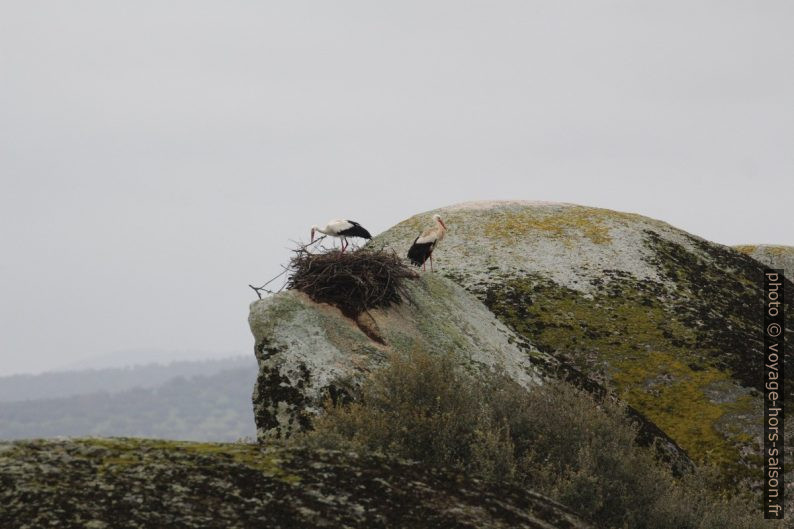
{"points": [[437, 218]]}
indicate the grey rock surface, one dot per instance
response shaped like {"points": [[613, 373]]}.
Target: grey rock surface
{"points": [[773, 256], [669, 321], [309, 352], [136, 483]]}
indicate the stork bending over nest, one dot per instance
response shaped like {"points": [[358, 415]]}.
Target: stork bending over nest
{"points": [[342, 229]]}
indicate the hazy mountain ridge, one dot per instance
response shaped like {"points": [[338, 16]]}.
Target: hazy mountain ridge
{"points": [[211, 407], [59, 384]]}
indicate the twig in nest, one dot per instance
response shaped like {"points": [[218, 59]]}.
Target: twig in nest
{"points": [[261, 289], [301, 247]]}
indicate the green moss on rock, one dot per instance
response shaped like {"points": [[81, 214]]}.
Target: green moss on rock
{"points": [[631, 336], [138, 483], [674, 396], [667, 320]]}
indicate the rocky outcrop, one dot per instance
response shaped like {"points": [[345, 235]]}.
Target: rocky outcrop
{"points": [[133, 483], [771, 256], [668, 320], [309, 352]]}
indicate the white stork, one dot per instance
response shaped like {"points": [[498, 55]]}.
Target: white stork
{"points": [[423, 246], [342, 229]]}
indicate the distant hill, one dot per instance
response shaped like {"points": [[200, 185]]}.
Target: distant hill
{"points": [[204, 407], [140, 357], [112, 380]]}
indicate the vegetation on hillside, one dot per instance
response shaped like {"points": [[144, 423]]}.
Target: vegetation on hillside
{"points": [[685, 356], [555, 440], [668, 321]]}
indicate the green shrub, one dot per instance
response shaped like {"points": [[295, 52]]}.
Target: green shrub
{"points": [[423, 408], [553, 439]]}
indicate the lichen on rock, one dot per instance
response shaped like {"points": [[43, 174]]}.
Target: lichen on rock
{"points": [[309, 352], [669, 321], [773, 256], [139, 483]]}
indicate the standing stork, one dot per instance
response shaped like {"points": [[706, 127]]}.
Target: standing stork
{"points": [[342, 229], [423, 246]]}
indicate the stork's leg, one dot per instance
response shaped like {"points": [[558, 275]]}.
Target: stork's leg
{"points": [[431, 262], [424, 265]]}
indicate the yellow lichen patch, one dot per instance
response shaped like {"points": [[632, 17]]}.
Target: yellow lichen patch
{"points": [[565, 224], [116, 464], [455, 222], [268, 463], [745, 249], [670, 393], [250, 455], [414, 224], [125, 452], [780, 250], [777, 251]]}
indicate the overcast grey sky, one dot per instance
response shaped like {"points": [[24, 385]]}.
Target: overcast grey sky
{"points": [[156, 157]]}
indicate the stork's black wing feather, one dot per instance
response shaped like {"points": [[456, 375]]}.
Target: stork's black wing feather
{"points": [[356, 231], [419, 252]]}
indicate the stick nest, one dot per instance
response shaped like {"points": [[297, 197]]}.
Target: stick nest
{"points": [[354, 282]]}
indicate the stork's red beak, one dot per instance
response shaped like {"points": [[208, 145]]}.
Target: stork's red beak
{"points": [[442, 223], [312, 234]]}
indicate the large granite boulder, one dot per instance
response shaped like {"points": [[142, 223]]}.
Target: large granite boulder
{"points": [[309, 352], [135, 483], [668, 320]]}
